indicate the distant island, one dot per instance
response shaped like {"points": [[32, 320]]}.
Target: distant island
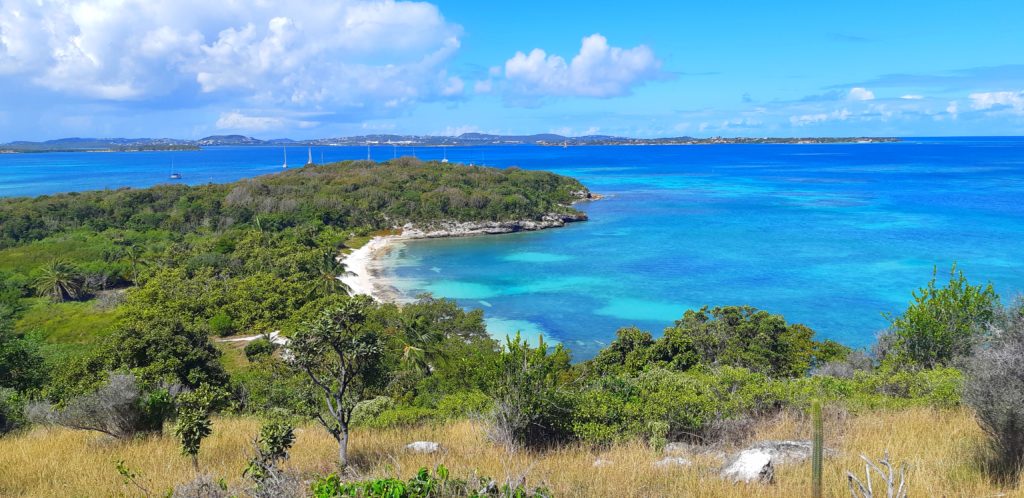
{"points": [[464, 140], [99, 145]]}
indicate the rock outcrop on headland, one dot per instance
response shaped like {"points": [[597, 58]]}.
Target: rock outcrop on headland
{"points": [[467, 228]]}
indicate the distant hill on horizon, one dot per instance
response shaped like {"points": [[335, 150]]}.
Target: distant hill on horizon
{"points": [[465, 139]]}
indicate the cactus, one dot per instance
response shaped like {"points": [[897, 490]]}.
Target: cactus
{"points": [[817, 449]]}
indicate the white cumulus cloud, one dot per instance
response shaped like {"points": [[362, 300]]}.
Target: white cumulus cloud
{"points": [[331, 55], [598, 70], [860, 93], [987, 100], [821, 117]]}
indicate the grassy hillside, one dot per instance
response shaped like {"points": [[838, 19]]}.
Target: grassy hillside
{"points": [[935, 444]]}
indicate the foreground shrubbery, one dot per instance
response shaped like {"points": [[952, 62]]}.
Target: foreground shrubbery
{"points": [[425, 484], [995, 390]]}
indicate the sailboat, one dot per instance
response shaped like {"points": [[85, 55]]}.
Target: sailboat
{"points": [[310, 161], [174, 176], [285, 165], [445, 160]]}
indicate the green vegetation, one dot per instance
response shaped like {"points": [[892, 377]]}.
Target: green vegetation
{"points": [[942, 324], [424, 484], [108, 326]]}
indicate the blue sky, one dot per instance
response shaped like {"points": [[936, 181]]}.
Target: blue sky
{"points": [[318, 68]]}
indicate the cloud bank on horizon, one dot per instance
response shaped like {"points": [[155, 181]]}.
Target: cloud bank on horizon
{"points": [[329, 67]]}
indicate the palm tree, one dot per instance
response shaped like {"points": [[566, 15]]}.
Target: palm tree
{"points": [[327, 271], [133, 254], [60, 280], [420, 343]]}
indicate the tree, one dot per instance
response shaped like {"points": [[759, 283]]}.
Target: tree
{"points": [[275, 439], [420, 342], [344, 357], [739, 336], [193, 420], [327, 271], [629, 352], [942, 324], [162, 349], [60, 280]]}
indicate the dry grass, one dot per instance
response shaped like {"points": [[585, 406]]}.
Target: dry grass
{"points": [[940, 446]]}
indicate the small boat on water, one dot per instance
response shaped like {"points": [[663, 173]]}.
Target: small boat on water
{"points": [[174, 175], [310, 161], [445, 160], [285, 165]]}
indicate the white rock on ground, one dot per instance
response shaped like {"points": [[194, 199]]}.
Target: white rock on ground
{"points": [[423, 447], [753, 465], [786, 451], [671, 461], [601, 462]]}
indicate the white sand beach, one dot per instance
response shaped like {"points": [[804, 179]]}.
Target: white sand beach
{"points": [[363, 269]]}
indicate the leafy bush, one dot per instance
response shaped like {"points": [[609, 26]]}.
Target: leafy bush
{"points": [[995, 390], [404, 416], [366, 411], [161, 349], [21, 364], [942, 324], [269, 384], [739, 336], [662, 405], [528, 411], [424, 484], [259, 348], [222, 325], [272, 445], [12, 407], [463, 404]]}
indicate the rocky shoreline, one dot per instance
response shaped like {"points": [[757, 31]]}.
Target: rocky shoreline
{"points": [[365, 274], [470, 228]]}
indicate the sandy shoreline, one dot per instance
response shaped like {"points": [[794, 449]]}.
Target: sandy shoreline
{"points": [[364, 270]]}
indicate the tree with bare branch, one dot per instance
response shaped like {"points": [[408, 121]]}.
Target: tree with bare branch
{"points": [[343, 356]]}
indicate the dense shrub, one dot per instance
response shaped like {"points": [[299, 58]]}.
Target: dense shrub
{"points": [[465, 404], [660, 404], [855, 361], [259, 348], [366, 411], [12, 408], [424, 484], [528, 403], [739, 336], [941, 325], [995, 390], [222, 325], [21, 364], [120, 408], [268, 384], [163, 350]]}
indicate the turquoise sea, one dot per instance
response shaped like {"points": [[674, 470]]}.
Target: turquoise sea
{"points": [[830, 236]]}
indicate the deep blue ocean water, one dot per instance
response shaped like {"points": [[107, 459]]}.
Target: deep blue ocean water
{"points": [[830, 236]]}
